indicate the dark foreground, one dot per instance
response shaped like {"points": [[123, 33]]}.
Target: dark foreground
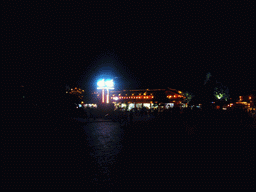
{"points": [[49, 150]]}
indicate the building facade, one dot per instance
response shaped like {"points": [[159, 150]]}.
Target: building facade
{"points": [[160, 99]]}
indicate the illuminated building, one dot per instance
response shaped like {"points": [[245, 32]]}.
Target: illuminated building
{"points": [[77, 91], [247, 101], [148, 98]]}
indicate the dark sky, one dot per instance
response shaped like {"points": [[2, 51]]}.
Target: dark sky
{"points": [[140, 45]]}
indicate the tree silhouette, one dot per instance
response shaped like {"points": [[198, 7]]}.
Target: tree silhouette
{"points": [[188, 97]]}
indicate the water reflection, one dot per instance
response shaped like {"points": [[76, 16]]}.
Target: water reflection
{"points": [[105, 140]]}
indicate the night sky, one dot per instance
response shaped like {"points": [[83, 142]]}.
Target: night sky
{"points": [[139, 45]]}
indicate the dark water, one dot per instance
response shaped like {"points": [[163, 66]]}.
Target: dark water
{"points": [[161, 154], [42, 153], [105, 141]]}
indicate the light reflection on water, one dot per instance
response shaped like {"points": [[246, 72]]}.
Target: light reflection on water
{"points": [[105, 140]]}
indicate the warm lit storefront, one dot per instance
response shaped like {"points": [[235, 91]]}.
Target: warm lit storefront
{"points": [[147, 98], [246, 102]]}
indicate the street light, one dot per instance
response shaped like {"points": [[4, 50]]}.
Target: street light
{"points": [[108, 84]]}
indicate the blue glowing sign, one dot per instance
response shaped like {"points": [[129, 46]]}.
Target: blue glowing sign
{"points": [[105, 84]]}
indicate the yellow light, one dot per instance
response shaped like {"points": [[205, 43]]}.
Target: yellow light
{"points": [[250, 97]]}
